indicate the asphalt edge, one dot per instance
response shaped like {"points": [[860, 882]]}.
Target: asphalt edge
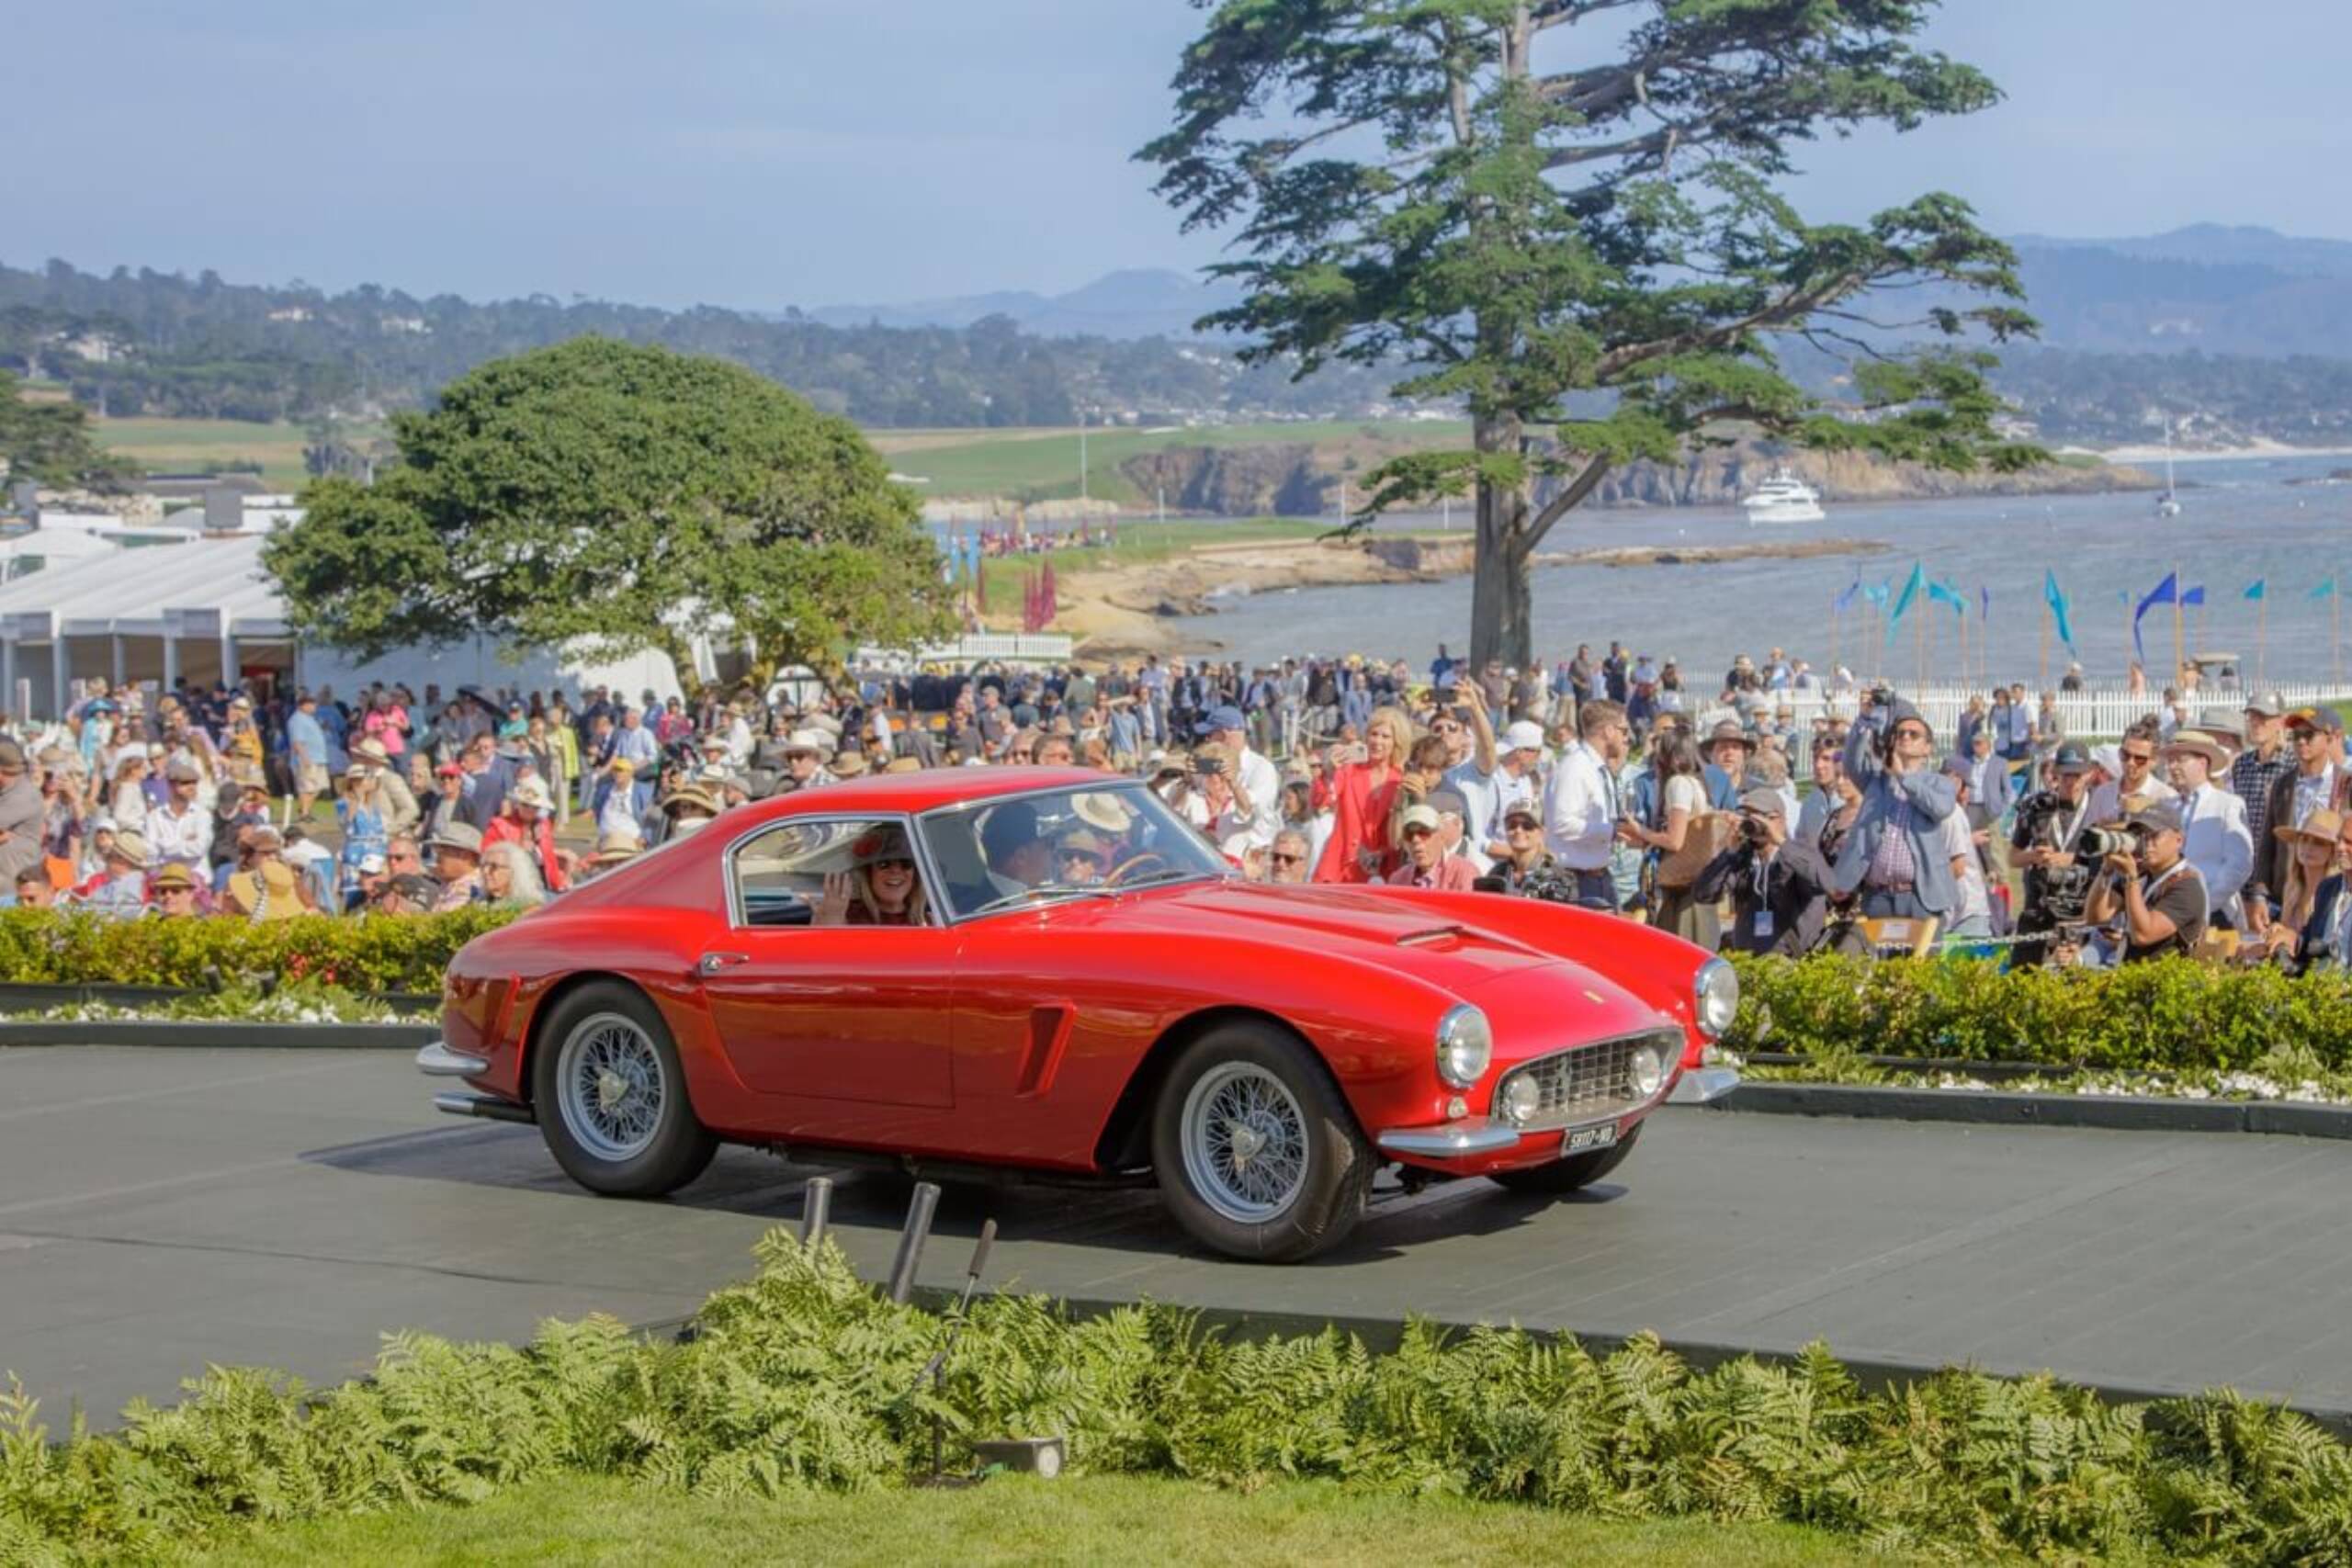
{"points": [[2117, 1112]]}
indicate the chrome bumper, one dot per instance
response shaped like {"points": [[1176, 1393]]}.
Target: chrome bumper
{"points": [[1451, 1142], [437, 1061], [1703, 1084]]}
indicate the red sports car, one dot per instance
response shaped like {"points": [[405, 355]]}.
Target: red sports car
{"points": [[970, 971]]}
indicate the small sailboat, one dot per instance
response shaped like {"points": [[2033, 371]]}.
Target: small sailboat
{"points": [[2168, 504]]}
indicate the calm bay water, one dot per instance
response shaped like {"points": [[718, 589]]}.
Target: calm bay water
{"points": [[2242, 522]]}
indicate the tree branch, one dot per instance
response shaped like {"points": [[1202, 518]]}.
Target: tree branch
{"points": [[1570, 497]]}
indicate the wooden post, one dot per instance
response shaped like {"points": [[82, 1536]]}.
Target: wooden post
{"points": [[1922, 640], [1832, 633]]}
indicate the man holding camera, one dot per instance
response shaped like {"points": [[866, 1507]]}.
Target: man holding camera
{"points": [[2159, 895], [2045, 842], [1893, 860], [1780, 889]]}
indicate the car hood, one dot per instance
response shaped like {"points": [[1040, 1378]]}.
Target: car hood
{"points": [[1390, 932]]}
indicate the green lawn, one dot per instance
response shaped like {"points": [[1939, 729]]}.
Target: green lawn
{"points": [[1028, 466], [1140, 542], [169, 445], [1014, 1521]]}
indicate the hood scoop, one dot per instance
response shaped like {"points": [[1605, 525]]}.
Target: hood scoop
{"points": [[1443, 939]]}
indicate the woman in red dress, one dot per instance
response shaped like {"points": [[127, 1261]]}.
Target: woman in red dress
{"points": [[1366, 788]]}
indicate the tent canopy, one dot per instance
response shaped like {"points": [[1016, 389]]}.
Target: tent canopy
{"points": [[203, 588]]}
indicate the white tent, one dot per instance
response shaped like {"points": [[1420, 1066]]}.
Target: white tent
{"points": [[205, 610]]}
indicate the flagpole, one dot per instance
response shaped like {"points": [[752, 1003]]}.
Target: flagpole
{"points": [[1922, 640], [2335, 629], [2049, 614], [2261, 635], [1832, 633], [2179, 653]]}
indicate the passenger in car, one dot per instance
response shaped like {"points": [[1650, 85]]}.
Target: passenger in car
{"points": [[882, 887]]}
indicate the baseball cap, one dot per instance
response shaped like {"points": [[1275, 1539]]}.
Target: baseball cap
{"points": [[173, 875], [1763, 797], [2268, 705], [2157, 816], [1446, 802], [1418, 817], [2327, 721], [1523, 735], [2071, 758], [182, 771], [1519, 809], [1223, 716]]}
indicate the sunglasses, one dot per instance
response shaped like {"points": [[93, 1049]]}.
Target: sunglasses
{"points": [[1522, 826], [2138, 756], [1085, 857], [896, 862], [1281, 859], [1416, 833]]}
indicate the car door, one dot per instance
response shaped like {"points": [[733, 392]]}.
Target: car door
{"points": [[820, 1013]]}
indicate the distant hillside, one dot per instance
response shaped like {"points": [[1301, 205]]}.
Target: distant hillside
{"points": [[1137, 303], [2234, 291]]}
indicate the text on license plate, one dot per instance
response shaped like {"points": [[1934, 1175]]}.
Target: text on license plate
{"points": [[1582, 1138]]}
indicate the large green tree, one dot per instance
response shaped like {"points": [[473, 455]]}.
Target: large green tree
{"points": [[1551, 208], [50, 442], [622, 494]]}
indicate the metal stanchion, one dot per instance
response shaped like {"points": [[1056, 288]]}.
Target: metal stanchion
{"points": [[910, 1240], [816, 1207]]}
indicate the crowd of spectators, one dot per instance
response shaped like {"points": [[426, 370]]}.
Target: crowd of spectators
{"points": [[1602, 781]]}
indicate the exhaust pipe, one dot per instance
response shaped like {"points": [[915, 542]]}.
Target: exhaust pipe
{"points": [[485, 1107]]}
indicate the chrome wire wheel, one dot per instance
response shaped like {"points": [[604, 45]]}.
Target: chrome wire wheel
{"points": [[1244, 1142], [611, 1087]]}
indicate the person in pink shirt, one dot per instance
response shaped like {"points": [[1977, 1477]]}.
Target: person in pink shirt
{"points": [[387, 724], [1427, 861]]}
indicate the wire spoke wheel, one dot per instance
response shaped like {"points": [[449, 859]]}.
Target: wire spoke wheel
{"points": [[611, 1087], [1245, 1142]]}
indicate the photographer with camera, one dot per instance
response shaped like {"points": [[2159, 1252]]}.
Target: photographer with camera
{"points": [[2047, 844], [1893, 860], [2150, 883], [1778, 888]]}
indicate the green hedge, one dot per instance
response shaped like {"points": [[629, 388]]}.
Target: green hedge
{"points": [[409, 954], [801, 1378], [2164, 1014]]}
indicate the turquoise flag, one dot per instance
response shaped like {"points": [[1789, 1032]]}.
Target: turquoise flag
{"points": [[1911, 586], [2326, 590], [2257, 589], [2057, 607], [1945, 593]]}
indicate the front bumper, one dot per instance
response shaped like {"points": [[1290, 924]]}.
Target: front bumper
{"points": [[1700, 1085]]}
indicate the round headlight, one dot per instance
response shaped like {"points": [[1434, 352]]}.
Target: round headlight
{"points": [[1716, 1002], [1464, 1046], [1520, 1099], [1647, 1071]]}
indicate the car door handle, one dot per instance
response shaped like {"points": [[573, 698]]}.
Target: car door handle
{"points": [[712, 963]]}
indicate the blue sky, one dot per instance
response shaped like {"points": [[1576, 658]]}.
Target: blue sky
{"points": [[765, 152]]}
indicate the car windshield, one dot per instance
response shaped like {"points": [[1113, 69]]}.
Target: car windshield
{"points": [[1087, 841]]}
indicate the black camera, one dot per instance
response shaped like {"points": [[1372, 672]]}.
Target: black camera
{"points": [[1210, 766], [1754, 829]]}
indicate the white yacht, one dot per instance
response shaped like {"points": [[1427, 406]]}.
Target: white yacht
{"points": [[1784, 497]]}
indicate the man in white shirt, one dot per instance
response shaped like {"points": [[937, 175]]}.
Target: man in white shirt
{"points": [[2214, 836], [1490, 778], [1261, 782], [181, 833], [1582, 807], [2133, 783]]}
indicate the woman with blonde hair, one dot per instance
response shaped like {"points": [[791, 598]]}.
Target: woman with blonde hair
{"points": [[2312, 854], [881, 887], [509, 880], [128, 800], [1363, 792]]}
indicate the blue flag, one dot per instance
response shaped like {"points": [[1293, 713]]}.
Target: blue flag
{"points": [[1984, 598], [2164, 592], [1911, 586], [2194, 596], [2057, 600], [2258, 588], [1845, 602]]}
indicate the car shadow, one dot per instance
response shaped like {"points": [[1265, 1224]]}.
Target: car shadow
{"points": [[1128, 1220]]}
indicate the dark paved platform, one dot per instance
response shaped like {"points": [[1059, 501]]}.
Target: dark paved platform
{"points": [[160, 1210]]}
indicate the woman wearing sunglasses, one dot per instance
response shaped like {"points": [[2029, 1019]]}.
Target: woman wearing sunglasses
{"points": [[881, 887]]}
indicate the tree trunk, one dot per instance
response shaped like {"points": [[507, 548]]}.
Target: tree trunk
{"points": [[1502, 618]]}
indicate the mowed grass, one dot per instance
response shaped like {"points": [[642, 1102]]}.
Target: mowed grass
{"points": [[1141, 542], [167, 446], [1015, 1520], [1028, 465]]}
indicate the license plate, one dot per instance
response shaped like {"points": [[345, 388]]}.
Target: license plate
{"points": [[1582, 1138]]}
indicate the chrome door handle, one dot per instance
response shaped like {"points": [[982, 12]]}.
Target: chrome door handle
{"points": [[712, 963]]}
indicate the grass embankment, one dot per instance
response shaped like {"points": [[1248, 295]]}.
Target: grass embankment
{"points": [[1015, 1520], [173, 445], [1140, 544], [1033, 465]]}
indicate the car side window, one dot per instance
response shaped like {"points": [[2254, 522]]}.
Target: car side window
{"points": [[851, 872]]}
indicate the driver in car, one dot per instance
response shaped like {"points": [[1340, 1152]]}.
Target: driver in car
{"points": [[1083, 856], [1018, 857]]}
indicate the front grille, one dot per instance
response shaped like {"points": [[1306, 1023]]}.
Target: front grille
{"points": [[1588, 1083]]}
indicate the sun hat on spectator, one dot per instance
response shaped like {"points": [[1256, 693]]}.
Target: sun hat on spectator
{"points": [[533, 794], [1729, 729], [1523, 735], [616, 846], [714, 741], [173, 875], [2198, 744], [2322, 827], [130, 849], [463, 837], [368, 748], [814, 742], [850, 765], [1522, 811], [1100, 809], [903, 765], [1418, 817], [690, 798], [12, 756]]}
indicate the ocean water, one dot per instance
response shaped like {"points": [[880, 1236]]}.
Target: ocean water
{"points": [[2242, 522]]}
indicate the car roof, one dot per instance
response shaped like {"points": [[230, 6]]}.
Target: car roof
{"points": [[925, 791]]}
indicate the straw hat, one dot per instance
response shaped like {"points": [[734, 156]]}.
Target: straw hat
{"points": [[533, 794], [130, 847], [616, 847], [2322, 827], [2199, 744]]}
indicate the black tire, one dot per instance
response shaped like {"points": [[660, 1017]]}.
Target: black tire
{"points": [[1326, 1199], [678, 1146], [1565, 1176]]}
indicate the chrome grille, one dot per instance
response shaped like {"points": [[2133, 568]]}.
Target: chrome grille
{"points": [[1589, 1083]]}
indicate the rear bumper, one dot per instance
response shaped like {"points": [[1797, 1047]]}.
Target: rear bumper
{"points": [[437, 1061]]}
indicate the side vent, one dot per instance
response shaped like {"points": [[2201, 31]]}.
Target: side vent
{"points": [[1049, 1028]]}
